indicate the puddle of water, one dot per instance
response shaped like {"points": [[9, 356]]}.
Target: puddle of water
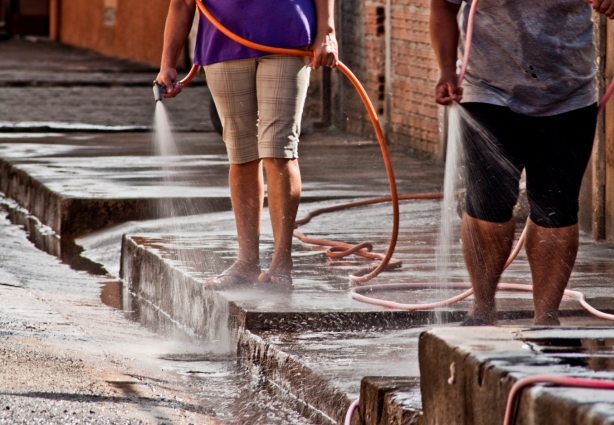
{"points": [[572, 345], [45, 239], [16, 135], [111, 294], [596, 354]]}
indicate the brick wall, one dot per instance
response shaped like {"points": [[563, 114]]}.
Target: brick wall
{"points": [[127, 29], [414, 73], [349, 112], [405, 103]]}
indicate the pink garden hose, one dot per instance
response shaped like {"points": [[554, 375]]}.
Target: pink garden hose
{"points": [[564, 381]]}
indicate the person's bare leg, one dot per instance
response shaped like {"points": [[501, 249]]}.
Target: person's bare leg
{"points": [[247, 196], [552, 255], [284, 194], [486, 247]]}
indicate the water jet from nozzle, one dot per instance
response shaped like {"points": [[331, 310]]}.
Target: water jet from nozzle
{"points": [[158, 90]]}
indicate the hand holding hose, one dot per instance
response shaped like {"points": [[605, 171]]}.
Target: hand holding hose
{"points": [[168, 78], [605, 7], [447, 89], [325, 50], [444, 37], [324, 45]]}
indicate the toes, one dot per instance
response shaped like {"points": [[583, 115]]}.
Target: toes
{"points": [[282, 280]]}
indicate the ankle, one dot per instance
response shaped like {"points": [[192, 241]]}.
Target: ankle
{"points": [[245, 268], [547, 319], [486, 314], [249, 262], [283, 266]]}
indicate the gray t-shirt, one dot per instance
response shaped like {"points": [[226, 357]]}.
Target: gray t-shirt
{"points": [[536, 57]]}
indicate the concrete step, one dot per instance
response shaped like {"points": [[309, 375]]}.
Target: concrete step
{"points": [[386, 400], [467, 374]]}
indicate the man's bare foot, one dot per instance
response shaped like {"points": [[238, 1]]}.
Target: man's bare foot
{"points": [[242, 272], [279, 273]]}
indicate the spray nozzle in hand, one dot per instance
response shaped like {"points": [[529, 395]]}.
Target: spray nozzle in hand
{"points": [[159, 90]]}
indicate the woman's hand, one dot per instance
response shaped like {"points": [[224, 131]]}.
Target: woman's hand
{"points": [[168, 78], [605, 7], [324, 46], [178, 24], [325, 50], [447, 90]]}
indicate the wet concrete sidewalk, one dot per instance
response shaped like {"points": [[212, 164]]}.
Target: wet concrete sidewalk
{"points": [[47, 84], [105, 196]]}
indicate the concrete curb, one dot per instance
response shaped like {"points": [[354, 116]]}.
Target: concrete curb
{"points": [[467, 374], [72, 217]]}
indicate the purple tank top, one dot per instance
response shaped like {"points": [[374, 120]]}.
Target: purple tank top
{"points": [[278, 23]]}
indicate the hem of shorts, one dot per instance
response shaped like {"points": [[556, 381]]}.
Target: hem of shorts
{"points": [[242, 161], [285, 155], [488, 220], [568, 223]]}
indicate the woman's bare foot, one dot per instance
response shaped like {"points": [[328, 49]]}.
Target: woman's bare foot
{"points": [[278, 280], [242, 272], [279, 273]]}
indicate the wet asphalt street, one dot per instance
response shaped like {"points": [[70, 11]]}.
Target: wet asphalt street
{"points": [[65, 358]]}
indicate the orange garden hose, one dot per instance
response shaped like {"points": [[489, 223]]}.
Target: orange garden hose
{"points": [[346, 249]]}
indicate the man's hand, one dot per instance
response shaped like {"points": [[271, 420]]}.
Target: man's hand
{"points": [[447, 90], [325, 50], [168, 78], [605, 7]]}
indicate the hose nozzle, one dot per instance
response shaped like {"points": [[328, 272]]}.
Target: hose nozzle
{"points": [[158, 90]]}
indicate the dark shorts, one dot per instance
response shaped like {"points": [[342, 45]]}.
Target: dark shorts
{"points": [[554, 150]]}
